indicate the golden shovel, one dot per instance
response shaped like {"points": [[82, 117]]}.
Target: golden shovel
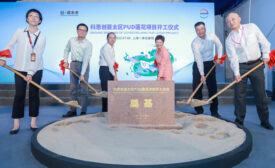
{"points": [[103, 94], [70, 103], [190, 101], [202, 103]]}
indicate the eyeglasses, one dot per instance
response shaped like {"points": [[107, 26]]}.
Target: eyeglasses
{"points": [[82, 30], [34, 16]]}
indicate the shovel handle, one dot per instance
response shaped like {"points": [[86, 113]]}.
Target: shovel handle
{"points": [[35, 84], [198, 87], [234, 82], [85, 82]]}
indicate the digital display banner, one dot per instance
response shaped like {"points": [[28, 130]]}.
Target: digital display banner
{"points": [[136, 25]]}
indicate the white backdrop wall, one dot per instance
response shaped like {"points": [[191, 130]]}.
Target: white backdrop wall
{"points": [[260, 12]]}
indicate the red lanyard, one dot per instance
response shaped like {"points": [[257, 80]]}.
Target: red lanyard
{"points": [[30, 40], [239, 43]]}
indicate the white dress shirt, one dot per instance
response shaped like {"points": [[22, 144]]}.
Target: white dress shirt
{"points": [[23, 51], [203, 49], [107, 57], [243, 46], [80, 51]]}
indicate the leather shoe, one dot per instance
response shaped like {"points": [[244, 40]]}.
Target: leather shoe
{"points": [[13, 132], [239, 122], [33, 129], [267, 126], [69, 114], [83, 113]]}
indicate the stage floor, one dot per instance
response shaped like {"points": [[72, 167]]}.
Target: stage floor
{"points": [[16, 151]]}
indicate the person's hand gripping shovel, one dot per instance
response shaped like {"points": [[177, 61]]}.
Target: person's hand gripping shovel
{"points": [[270, 63], [190, 101], [96, 93], [7, 54]]}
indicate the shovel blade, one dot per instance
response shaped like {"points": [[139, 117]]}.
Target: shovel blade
{"points": [[182, 103], [103, 94], [72, 104], [197, 103]]}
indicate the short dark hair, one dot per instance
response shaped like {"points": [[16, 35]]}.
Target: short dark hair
{"points": [[36, 11], [160, 37], [82, 24], [199, 23], [110, 34]]}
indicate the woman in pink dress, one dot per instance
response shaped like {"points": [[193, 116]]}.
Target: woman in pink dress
{"points": [[165, 70]]}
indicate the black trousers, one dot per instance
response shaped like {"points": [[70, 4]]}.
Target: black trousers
{"points": [[257, 79], [105, 75], [211, 84], [20, 94]]}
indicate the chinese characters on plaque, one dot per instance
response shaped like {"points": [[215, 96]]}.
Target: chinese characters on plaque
{"points": [[141, 103]]}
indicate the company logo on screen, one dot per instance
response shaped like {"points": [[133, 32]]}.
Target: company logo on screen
{"points": [[204, 13], [69, 13]]}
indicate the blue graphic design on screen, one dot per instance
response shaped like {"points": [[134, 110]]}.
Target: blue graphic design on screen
{"points": [[135, 31]]}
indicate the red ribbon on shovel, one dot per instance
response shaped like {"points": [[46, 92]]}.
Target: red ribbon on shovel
{"points": [[222, 58], [5, 53], [61, 65], [116, 66]]}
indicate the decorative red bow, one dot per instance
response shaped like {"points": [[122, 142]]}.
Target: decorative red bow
{"points": [[61, 65], [5, 53], [271, 62], [116, 66], [222, 58], [156, 63]]}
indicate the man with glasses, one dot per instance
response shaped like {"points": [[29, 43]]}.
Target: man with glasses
{"points": [[81, 52]]}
